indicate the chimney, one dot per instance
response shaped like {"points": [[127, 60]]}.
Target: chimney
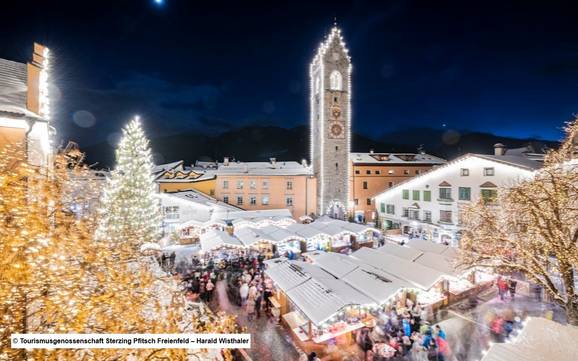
{"points": [[499, 149], [273, 162], [226, 161], [37, 82], [304, 162]]}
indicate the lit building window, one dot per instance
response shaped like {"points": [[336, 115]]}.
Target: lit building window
{"points": [[464, 172], [253, 184], [335, 80], [265, 200], [225, 184], [240, 184]]}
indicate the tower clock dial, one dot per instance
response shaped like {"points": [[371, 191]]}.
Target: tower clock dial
{"points": [[336, 130]]}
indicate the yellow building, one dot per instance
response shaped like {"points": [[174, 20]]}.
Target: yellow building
{"points": [[246, 185], [25, 106]]}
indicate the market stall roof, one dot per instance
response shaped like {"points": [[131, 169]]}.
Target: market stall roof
{"points": [[428, 246], [539, 340], [408, 253], [254, 216], [376, 284], [249, 236], [321, 299], [415, 274], [317, 293], [215, 239], [335, 263], [439, 262], [279, 234], [305, 230]]}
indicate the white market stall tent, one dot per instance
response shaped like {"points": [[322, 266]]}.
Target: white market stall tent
{"points": [[539, 340]]}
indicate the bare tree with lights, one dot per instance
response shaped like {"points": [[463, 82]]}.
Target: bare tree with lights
{"points": [[532, 227], [56, 278], [130, 212]]}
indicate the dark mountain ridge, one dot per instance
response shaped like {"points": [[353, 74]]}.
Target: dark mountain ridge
{"points": [[259, 143]]}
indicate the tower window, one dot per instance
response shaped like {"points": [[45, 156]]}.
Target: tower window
{"points": [[336, 147], [335, 80], [335, 99]]}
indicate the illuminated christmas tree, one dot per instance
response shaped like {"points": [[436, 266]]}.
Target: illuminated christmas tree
{"points": [[55, 278], [129, 212], [532, 228]]}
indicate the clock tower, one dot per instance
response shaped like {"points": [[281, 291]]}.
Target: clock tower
{"points": [[330, 76]]}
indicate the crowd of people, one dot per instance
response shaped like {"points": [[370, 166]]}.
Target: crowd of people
{"points": [[254, 289], [404, 335]]}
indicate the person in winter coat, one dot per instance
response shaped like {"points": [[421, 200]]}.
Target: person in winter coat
{"points": [[406, 327], [244, 293], [512, 287], [250, 307], [442, 348], [439, 332]]}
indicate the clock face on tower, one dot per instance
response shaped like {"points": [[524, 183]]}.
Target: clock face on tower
{"points": [[336, 130]]}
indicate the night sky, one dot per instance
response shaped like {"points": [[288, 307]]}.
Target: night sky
{"points": [[509, 68]]}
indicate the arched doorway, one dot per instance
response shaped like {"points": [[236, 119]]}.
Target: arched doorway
{"points": [[336, 210]]}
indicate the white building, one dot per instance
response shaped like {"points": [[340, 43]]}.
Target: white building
{"points": [[428, 206]]}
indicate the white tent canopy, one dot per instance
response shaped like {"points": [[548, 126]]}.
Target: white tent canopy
{"points": [[434, 260], [539, 340], [215, 239], [415, 274], [317, 293]]}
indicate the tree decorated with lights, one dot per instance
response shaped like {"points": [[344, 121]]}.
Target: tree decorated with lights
{"points": [[56, 278], [130, 212], [532, 227]]}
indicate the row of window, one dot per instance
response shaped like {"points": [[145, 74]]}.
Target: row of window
{"points": [[367, 201], [253, 184], [253, 200], [365, 185], [487, 172], [445, 194], [414, 214], [389, 172]]}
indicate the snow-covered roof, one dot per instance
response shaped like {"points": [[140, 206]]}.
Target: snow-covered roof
{"points": [[304, 230], [523, 162], [335, 263], [442, 262], [317, 293], [215, 239], [372, 282], [161, 168], [396, 158], [256, 215], [415, 274], [376, 284], [14, 88], [539, 340], [408, 253], [263, 168], [428, 246]]}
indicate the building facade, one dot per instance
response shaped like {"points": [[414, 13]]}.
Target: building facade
{"points": [[429, 205], [267, 185], [330, 77], [373, 173], [25, 106]]}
